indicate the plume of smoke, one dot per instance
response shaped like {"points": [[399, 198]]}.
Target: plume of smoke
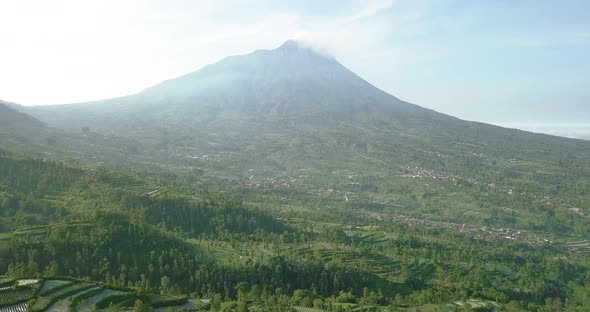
{"points": [[313, 42]]}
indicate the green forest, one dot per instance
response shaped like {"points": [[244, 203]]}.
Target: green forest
{"points": [[137, 235]]}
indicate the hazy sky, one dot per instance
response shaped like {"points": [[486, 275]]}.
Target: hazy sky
{"points": [[501, 61]]}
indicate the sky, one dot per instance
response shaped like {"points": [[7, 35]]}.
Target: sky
{"points": [[523, 63]]}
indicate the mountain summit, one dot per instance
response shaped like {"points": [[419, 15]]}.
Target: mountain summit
{"points": [[298, 49], [292, 81]]}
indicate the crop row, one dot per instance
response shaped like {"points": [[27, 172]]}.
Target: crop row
{"points": [[42, 303], [104, 295], [21, 307], [53, 285], [14, 296]]}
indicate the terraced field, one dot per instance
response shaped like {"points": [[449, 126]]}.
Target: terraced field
{"points": [[58, 293], [380, 265], [122, 181], [11, 296], [188, 306], [68, 290], [61, 295], [304, 309], [49, 285], [21, 307], [60, 306], [39, 233], [580, 246], [14, 294], [6, 281], [86, 305]]}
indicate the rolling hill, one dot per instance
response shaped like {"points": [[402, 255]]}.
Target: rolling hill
{"points": [[13, 121]]}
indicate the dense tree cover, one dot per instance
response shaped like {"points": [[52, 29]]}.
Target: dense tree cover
{"points": [[34, 191], [143, 257], [138, 232]]}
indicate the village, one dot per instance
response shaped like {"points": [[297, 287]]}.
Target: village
{"points": [[481, 233]]}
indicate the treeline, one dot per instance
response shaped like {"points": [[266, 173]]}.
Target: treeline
{"points": [[210, 214], [35, 192], [143, 257], [29, 175]]}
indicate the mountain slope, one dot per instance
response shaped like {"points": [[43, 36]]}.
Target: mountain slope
{"points": [[13, 121], [290, 82], [290, 85], [289, 95], [296, 120]]}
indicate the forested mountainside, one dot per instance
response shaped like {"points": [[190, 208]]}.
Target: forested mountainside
{"points": [[140, 234]]}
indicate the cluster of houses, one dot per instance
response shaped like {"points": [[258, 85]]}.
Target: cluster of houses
{"points": [[269, 183], [420, 172], [483, 233]]}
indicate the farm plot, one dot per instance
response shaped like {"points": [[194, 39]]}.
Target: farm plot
{"points": [[60, 306], [4, 281], [304, 309], [69, 290], [13, 296], [44, 302], [21, 307], [383, 266], [49, 285], [122, 181], [189, 306], [476, 304], [68, 303], [581, 247], [86, 305], [76, 299]]}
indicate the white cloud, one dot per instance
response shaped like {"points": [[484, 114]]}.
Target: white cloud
{"points": [[371, 9]]}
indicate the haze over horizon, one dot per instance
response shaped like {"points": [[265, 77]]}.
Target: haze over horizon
{"points": [[513, 64]]}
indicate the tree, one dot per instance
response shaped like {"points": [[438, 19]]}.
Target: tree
{"points": [[242, 288], [242, 306], [256, 292], [52, 269], [139, 306], [216, 302], [164, 284]]}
